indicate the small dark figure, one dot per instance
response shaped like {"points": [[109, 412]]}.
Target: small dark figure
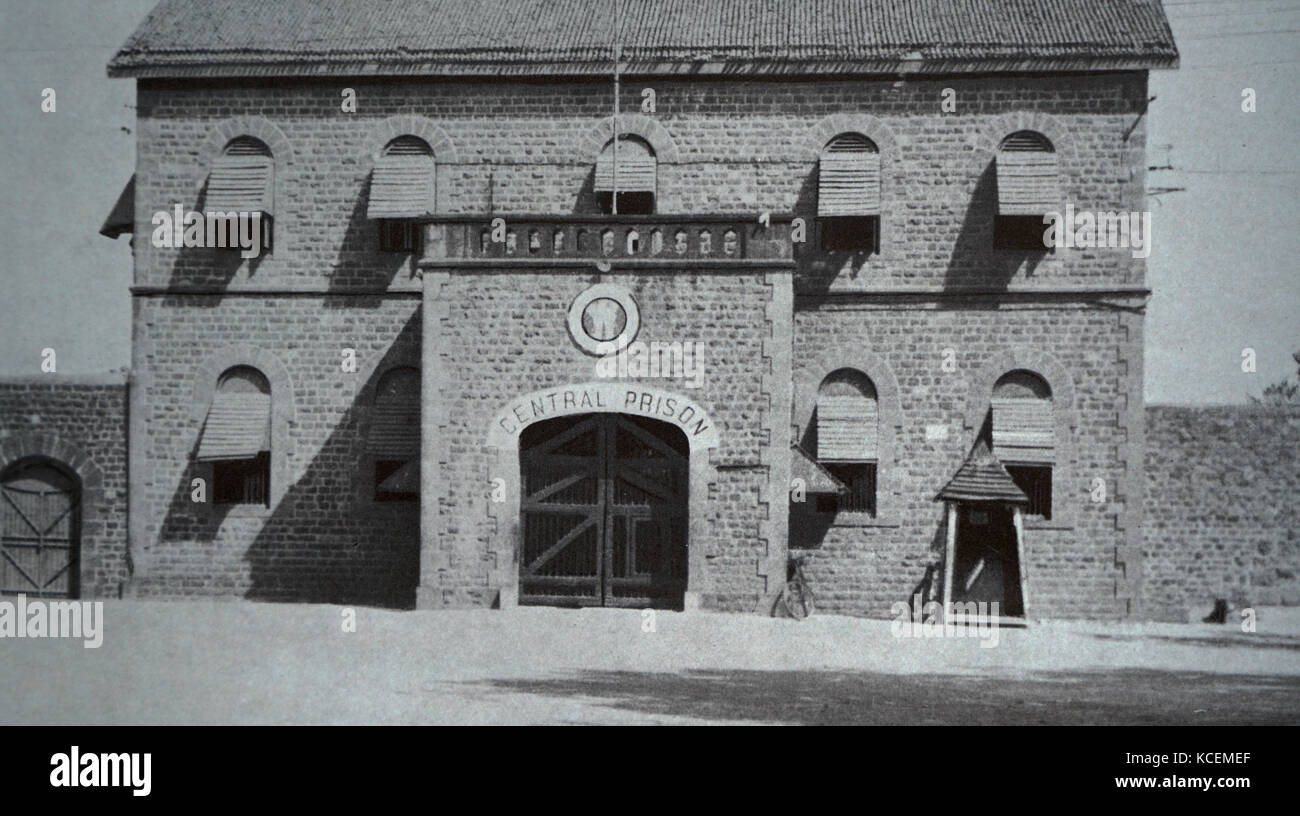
{"points": [[1220, 613]]}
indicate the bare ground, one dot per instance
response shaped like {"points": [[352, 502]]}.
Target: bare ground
{"points": [[241, 662]]}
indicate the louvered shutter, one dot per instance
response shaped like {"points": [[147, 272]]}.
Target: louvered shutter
{"points": [[395, 422], [847, 428], [402, 182], [1028, 176], [122, 218], [636, 168], [238, 426], [848, 178], [240, 184], [1024, 430]]}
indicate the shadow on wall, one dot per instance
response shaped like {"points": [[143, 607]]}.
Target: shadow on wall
{"points": [[325, 541], [585, 203], [808, 530], [360, 265], [808, 527], [815, 270], [930, 587], [205, 267], [974, 260]]}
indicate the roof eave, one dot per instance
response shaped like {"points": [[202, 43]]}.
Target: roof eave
{"points": [[160, 67]]}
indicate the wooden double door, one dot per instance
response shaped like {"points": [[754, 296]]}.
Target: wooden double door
{"points": [[39, 531], [604, 512]]}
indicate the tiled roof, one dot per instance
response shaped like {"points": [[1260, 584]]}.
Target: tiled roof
{"points": [[502, 37], [982, 478]]}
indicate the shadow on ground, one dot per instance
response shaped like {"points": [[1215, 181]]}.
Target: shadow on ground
{"points": [[1227, 640], [1135, 697]]}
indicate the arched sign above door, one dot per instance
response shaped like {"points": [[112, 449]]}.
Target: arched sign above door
{"points": [[608, 397]]}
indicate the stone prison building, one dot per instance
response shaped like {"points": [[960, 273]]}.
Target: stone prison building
{"points": [[578, 303]]}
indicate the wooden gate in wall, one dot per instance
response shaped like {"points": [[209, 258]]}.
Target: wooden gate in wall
{"points": [[604, 512], [39, 531]]}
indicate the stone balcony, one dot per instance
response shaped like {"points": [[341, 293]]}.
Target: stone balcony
{"points": [[625, 240]]}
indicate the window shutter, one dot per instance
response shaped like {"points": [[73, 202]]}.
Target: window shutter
{"points": [[1024, 430], [847, 428], [238, 427], [402, 182], [240, 184], [122, 218], [1028, 176], [848, 178], [395, 422], [636, 168]]}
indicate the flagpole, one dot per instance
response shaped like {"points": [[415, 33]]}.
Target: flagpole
{"points": [[617, 56]]}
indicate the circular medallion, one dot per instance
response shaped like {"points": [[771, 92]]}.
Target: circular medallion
{"points": [[603, 318]]}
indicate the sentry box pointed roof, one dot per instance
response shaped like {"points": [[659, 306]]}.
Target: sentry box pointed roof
{"points": [[982, 478], [234, 38]]}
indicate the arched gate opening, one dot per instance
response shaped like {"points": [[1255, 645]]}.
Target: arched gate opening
{"points": [[604, 512]]}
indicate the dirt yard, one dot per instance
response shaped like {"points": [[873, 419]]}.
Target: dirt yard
{"points": [[239, 662]]}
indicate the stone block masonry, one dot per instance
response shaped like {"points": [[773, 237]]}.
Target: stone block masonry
{"points": [[323, 538], [721, 146], [1221, 508], [80, 424]]}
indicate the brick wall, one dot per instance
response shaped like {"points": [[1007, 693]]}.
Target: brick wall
{"points": [[724, 146], [323, 539], [528, 147], [80, 423], [1221, 517], [862, 568], [516, 342]]}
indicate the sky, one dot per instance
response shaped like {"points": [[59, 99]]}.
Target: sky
{"points": [[1223, 268]]}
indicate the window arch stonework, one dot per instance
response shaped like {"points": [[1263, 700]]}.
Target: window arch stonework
{"points": [[979, 400], [808, 379], [206, 377]]}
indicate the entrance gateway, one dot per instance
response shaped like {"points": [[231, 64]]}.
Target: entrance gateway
{"points": [[604, 512]]}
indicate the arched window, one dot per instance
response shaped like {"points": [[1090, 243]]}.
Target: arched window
{"points": [[395, 435], [632, 176], [1028, 189], [242, 182], [237, 438], [402, 188], [848, 439], [242, 178], [1024, 435], [848, 194]]}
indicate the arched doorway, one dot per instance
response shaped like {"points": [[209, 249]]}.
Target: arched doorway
{"points": [[604, 512], [40, 530]]}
